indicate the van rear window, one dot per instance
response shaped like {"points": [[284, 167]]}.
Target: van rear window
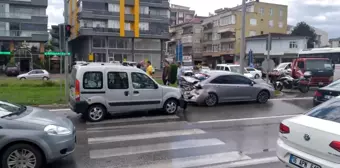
{"points": [[93, 80]]}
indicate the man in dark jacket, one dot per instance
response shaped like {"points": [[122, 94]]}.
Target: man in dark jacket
{"points": [[166, 73]]}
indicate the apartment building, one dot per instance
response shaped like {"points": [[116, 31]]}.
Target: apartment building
{"points": [[180, 14], [321, 36], [222, 31], [23, 31], [190, 35], [119, 30]]}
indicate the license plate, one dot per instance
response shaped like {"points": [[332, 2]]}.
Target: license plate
{"points": [[320, 83], [328, 97], [302, 163]]}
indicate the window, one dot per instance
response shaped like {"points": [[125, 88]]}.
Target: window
{"points": [[143, 26], [329, 110], [271, 12], [113, 8], [117, 80], [250, 69], [127, 26], [142, 81], [93, 80], [261, 32], [252, 33], [99, 42], [220, 80], [301, 65], [121, 43], [238, 79], [128, 10], [293, 44], [281, 12], [144, 10], [271, 23], [253, 22], [227, 20], [226, 69], [180, 14], [215, 23], [261, 11], [197, 30], [113, 24], [280, 24]]}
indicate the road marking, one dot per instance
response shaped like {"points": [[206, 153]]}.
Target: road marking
{"points": [[101, 129], [55, 110], [292, 98], [116, 121], [198, 161], [105, 153], [99, 140], [246, 119], [245, 163]]}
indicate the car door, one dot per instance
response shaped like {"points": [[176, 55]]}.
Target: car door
{"points": [[244, 89], [31, 74], [39, 74], [146, 94], [118, 92], [222, 88]]}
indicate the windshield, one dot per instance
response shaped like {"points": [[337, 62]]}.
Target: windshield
{"points": [[8, 108], [237, 69], [318, 64], [281, 66]]}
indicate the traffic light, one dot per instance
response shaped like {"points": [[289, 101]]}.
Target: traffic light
{"points": [[68, 31]]}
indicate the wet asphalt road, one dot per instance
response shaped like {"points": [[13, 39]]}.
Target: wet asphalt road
{"points": [[239, 134]]}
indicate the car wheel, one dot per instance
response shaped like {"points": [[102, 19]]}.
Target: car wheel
{"points": [[22, 155], [211, 100], [263, 97], [45, 78], [257, 76], [170, 106], [23, 78], [96, 113]]}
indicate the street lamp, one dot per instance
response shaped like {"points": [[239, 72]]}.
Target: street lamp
{"points": [[243, 34]]}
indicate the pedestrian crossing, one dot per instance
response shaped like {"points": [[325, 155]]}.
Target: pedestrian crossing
{"points": [[159, 142]]}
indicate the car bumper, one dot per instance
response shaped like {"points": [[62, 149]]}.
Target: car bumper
{"points": [[283, 152], [61, 146], [78, 107], [196, 98]]}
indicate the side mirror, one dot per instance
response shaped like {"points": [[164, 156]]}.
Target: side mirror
{"points": [[156, 86]]}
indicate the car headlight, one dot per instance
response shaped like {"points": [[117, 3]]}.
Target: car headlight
{"points": [[56, 130]]}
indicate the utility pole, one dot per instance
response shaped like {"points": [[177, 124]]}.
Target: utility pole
{"points": [[66, 49], [243, 34], [269, 47]]}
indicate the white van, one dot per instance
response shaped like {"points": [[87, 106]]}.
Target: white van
{"points": [[97, 90]]}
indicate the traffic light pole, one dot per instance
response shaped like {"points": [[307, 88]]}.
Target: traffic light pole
{"points": [[66, 59]]}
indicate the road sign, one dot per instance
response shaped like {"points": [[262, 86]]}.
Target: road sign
{"points": [[56, 53], [187, 58], [91, 57], [268, 66], [5, 53]]}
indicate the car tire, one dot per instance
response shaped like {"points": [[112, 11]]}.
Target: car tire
{"points": [[170, 106], [96, 113], [35, 153], [45, 78], [257, 76], [211, 100], [263, 97], [22, 78]]}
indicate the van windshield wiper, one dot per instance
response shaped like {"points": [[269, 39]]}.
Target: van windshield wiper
{"points": [[18, 112]]}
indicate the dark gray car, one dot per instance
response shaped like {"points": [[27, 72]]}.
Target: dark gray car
{"points": [[31, 136]]}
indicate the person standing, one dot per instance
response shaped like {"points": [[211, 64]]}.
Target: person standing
{"points": [[149, 68], [166, 73]]}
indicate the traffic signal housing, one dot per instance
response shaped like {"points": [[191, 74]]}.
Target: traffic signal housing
{"points": [[68, 31]]}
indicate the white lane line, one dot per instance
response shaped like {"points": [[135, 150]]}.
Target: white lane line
{"points": [[292, 98], [245, 163], [105, 153], [129, 137], [247, 119], [55, 110], [101, 129], [116, 121], [197, 161]]}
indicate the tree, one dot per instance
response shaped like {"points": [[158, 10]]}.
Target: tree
{"points": [[303, 29]]}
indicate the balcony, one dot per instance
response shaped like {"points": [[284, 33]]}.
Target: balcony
{"points": [[227, 39], [208, 28], [20, 15], [159, 34], [24, 35]]}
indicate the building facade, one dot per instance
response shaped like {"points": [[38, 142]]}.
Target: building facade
{"points": [[284, 48], [334, 42], [321, 36], [180, 14], [222, 31], [119, 30], [190, 35], [23, 31]]}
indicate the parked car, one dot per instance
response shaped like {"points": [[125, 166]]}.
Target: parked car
{"points": [[325, 93], [35, 74], [11, 71], [222, 86], [97, 90], [278, 70], [233, 68], [254, 72], [129, 63], [31, 137], [311, 140]]}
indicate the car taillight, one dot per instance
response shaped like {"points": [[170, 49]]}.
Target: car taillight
{"points": [[284, 129], [317, 94], [77, 90], [335, 145]]}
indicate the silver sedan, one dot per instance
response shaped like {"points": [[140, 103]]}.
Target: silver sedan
{"points": [[35, 74], [223, 86]]}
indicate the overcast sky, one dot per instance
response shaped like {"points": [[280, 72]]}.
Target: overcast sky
{"points": [[323, 14]]}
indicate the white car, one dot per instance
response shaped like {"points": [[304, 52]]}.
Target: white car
{"points": [[234, 68], [255, 72], [312, 140]]}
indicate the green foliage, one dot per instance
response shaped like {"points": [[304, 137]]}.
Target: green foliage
{"points": [[173, 73], [303, 29]]}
